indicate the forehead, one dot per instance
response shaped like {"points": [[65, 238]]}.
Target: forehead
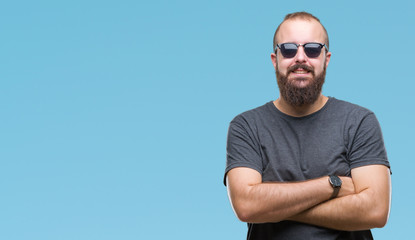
{"points": [[301, 31]]}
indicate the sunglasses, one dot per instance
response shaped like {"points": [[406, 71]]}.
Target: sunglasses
{"points": [[312, 50]]}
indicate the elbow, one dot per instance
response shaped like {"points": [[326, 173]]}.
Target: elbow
{"points": [[380, 218], [250, 214], [376, 210], [243, 217], [247, 211], [243, 213]]}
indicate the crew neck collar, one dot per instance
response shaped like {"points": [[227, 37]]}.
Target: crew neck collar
{"points": [[277, 111]]}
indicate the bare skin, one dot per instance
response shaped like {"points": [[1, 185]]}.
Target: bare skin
{"points": [[367, 208], [258, 202], [362, 203]]}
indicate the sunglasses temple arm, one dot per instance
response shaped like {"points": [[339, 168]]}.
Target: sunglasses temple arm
{"points": [[276, 47]]}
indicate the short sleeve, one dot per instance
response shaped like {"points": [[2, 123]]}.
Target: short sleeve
{"points": [[367, 147], [242, 148]]}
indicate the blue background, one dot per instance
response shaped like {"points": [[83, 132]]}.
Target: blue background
{"points": [[114, 114]]}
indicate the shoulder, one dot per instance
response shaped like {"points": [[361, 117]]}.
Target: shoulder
{"points": [[253, 115], [356, 120], [349, 110]]}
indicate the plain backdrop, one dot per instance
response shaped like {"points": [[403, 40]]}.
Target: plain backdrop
{"points": [[114, 114]]}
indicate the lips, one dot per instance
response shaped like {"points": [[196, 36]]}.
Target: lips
{"points": [[300, 69]]}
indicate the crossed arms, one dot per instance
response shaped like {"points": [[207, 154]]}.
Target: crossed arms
{"points": [[363, 201]]}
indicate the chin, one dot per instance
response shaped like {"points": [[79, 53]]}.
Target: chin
{"points": [[300, 82]]}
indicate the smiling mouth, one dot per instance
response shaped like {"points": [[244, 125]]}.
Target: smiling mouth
{"points": [[300, 71]]}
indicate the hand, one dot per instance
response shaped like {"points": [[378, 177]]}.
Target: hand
{"points": [[347, 187]]}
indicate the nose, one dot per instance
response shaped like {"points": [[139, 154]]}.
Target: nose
{"points": [[300, 57]]}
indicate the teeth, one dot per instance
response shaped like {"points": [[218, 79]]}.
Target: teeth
{"points": [[298, 71]]}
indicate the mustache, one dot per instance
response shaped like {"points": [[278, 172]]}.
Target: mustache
{"points": [[303, 66]]}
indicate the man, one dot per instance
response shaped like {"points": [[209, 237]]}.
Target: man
{"points": [[307, 166]]}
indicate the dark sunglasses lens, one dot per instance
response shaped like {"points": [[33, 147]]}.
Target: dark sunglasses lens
{"points": [[312, 50], [288, 50]]}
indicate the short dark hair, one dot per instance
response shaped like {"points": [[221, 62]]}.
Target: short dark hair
{"points": [[299, 15]]}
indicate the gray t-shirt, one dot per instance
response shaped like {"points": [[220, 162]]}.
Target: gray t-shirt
{"points": [[332, 141]]}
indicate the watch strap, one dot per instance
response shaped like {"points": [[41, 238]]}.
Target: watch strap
{"points": [[336, 183], [336, 191]]}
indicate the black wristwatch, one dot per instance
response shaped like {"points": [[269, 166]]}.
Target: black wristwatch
{"points": [[336, 183]]}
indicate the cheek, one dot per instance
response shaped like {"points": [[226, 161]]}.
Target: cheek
{"points": [[319, 66], [319, 69], [282, 67]]}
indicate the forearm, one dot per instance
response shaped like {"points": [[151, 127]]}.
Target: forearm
{"points": [[273, 202], [257, 202], [349, 213], [366, 209]]}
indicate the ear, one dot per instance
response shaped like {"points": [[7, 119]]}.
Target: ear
{"points": [[274, 60], [328, 57]]}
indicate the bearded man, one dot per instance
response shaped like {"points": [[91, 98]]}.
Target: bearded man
{"points": [[307, 166]]}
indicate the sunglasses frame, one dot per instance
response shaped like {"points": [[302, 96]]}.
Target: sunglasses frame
{"points": [[304, 45]]}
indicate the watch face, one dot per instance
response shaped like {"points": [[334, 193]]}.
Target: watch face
{"points": [[335, 181]]}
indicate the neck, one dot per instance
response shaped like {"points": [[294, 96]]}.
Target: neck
{"points": [[300, 111]]}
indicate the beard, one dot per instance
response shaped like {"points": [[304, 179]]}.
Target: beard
{"points": [[299, 96]]}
